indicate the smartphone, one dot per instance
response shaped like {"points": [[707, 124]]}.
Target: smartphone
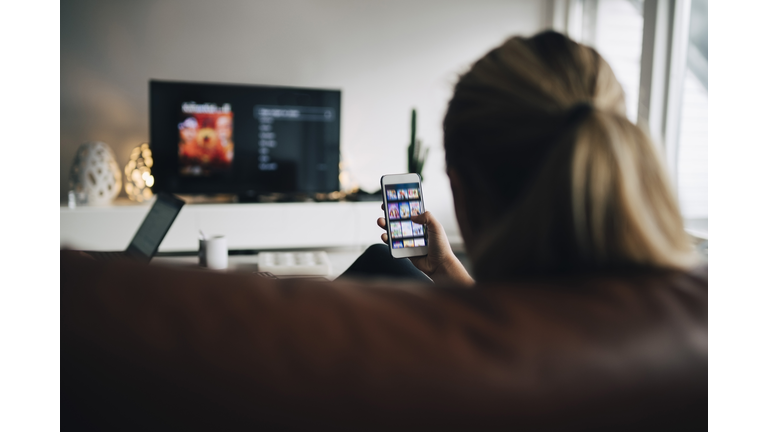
{"points": [[402, 200]]}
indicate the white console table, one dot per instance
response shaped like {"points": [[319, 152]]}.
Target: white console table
{"points": [[258, 226]]}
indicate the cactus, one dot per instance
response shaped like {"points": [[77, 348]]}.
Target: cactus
{"points": [[417, 154]]}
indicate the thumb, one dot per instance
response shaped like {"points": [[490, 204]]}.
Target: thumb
{"points": [[428, 220]]}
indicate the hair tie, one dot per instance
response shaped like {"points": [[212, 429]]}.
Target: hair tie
{"points": [[580, 111]]}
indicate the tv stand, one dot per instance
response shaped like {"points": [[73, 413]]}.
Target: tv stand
{"points": [[252, 197], [247, 226], [247, 197]]}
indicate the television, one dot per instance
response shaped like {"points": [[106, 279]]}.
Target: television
{"points": [[249, 140]]}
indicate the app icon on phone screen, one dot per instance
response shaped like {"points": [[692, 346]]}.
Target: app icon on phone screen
{"points": [[405, 210], [396, 230], [406, 229], [394, 211]]}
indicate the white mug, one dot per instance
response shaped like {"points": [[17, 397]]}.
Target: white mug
{"points": [[213, 253]]}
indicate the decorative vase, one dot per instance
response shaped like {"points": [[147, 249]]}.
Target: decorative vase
{"points": [[138, 174], [95, 177]]}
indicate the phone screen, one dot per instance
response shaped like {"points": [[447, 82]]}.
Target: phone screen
{"points": [[403, 202]]}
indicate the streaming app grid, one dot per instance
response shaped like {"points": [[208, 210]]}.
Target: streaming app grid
{"points": [[404, 202]]}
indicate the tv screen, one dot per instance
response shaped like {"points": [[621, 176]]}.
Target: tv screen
{"points": [[246, 139]]}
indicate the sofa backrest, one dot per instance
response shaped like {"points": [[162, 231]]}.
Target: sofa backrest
{"points": [[153, 346]]}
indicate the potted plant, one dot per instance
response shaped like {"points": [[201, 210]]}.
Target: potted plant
{"points": [[417, 153]]}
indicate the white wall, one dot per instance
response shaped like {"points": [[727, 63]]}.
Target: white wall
{"points": [[385, 56]]}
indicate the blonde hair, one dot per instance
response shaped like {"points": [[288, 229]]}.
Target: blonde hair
{"points": [[538, 133]]}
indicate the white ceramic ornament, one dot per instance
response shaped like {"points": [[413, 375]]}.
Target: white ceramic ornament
{"points": [[95, 177]]}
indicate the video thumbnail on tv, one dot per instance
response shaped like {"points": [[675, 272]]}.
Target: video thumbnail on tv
{"points": [[205, 139]]}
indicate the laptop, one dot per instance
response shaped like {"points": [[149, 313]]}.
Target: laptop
{"points": [[151, 232]]}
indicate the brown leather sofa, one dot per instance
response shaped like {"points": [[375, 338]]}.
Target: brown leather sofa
{"points": [[147, 347]]}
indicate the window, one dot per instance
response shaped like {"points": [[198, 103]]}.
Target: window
{"points": [[659, 52], [692, 159], [619, 39], [615, 29]]}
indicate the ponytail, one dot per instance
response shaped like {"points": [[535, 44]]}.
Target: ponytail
{"points": [[622, 206], [537, 132]]}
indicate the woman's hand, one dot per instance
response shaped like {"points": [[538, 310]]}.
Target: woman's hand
{"points": [[440, 263]]}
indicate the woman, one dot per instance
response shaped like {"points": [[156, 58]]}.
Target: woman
{"points": [[548, 175], [549, 178]]}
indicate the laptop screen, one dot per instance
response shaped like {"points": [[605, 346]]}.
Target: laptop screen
{"points": [[157, 223]]}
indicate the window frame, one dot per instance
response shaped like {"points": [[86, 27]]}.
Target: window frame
{"points": [[663, 65]]}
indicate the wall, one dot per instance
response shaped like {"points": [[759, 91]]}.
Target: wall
{"points": [[386, 57]]}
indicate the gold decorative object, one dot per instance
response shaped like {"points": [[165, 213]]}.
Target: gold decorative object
{"points": [[138, 174]]}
